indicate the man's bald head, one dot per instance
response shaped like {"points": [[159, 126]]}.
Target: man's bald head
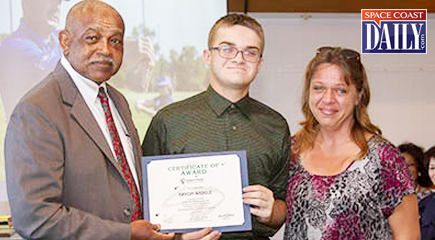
{"points": [[88, 8]]}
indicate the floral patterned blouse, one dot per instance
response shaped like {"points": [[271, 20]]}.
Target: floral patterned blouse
{"points": [[352, 205]]}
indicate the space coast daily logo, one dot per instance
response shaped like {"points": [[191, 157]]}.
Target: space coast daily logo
{"points": [[394, 30]]}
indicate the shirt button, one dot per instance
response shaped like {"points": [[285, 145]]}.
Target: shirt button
{"points": [[127, 212], [232, 106], [234, 127]]}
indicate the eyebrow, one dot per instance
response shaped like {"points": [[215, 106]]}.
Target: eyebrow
{"points": [[99, 30], [315, 80], [232, 44], [227, 43]]}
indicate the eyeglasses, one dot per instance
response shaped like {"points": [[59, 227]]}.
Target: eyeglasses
{"points": [[348, 54], [230, 52]]}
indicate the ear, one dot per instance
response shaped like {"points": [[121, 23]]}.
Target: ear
{"points": [[65, 41], [260, 64], [206, 55]]}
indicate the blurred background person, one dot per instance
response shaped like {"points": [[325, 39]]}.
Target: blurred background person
{"points": [[30, 52], [151, 106], [346, 181], [427, 205], [414, 157], [429, 158]]}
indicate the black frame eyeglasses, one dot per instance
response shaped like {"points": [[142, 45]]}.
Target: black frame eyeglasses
{"points": [[229, 52], [348, 54]]}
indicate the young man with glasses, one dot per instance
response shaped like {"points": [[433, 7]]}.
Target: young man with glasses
{"points": [[225, 118]]}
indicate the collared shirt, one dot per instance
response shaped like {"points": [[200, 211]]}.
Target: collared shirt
{"points": [[25, 59], [89, 91], [208, 122]]}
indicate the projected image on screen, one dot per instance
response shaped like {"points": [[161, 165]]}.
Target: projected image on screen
{"points": [[162, 63]]}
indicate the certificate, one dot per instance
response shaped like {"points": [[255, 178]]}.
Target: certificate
{"points": [[187, 192]]}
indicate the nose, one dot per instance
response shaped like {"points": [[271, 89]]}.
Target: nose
{"points": [[329, 96], [239, 57], [104, 47]]}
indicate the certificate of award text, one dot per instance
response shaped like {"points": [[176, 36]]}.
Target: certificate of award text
{"points": [[192, 191]]}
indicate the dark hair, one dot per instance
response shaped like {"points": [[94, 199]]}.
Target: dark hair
{"points": [[417, 153], [430, 153], [353, 72]]}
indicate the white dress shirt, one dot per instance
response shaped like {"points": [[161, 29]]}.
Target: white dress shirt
{"points": [[89, 91]]}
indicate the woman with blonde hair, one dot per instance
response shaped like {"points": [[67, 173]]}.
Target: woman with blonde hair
{"points": [[346, 181]]}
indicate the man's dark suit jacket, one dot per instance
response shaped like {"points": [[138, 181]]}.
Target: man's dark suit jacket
{"points": [[62, 179]]}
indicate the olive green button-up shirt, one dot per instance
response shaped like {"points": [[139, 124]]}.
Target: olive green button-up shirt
{"points": [[208, 122]]}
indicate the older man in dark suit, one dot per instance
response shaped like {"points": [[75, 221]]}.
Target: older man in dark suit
{"points": [[72, 152]]}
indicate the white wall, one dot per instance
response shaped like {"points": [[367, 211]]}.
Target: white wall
{"points": [[402, 86]]}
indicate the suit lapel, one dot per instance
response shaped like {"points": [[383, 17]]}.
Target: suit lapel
{"points": [[81, 113]]}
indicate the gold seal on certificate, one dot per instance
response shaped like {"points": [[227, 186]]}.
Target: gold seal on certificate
{"points": [[192, 191]]}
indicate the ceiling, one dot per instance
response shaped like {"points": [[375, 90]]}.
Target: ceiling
{"points": [[345, 6]]}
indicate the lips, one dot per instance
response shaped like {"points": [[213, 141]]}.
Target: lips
{"points": [[237, 68], [328, 111], [102, 63]]}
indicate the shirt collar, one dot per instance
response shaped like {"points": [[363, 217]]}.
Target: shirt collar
{"points": [[219, 104], [87, 88]]}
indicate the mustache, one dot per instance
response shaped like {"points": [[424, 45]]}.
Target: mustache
{"points": [[103, 59]]}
